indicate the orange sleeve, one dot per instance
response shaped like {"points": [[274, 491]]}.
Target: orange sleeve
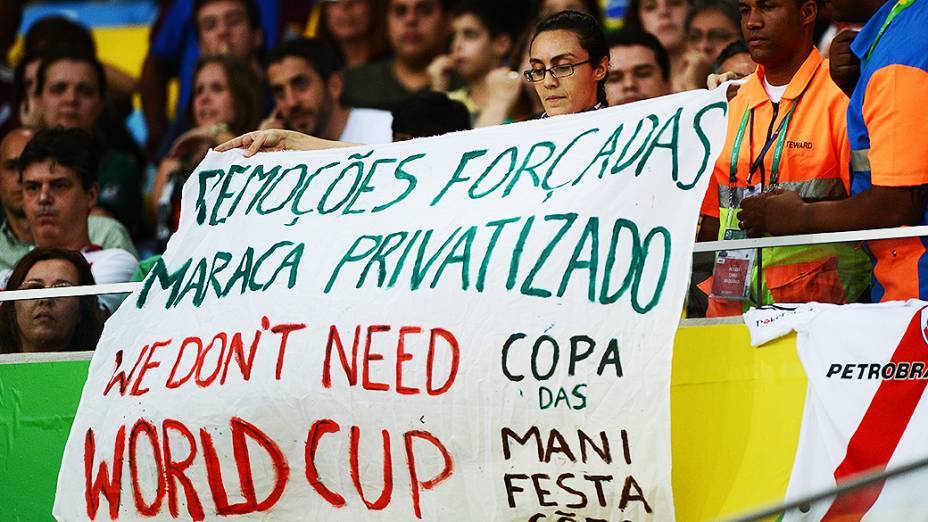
{"points": [[710, 202], [896, 120]]}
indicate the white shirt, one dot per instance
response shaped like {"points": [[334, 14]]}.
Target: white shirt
{"points": [[775, 92], [110, 265], [368, 127]]}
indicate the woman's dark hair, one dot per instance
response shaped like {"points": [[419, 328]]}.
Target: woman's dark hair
{"points": [[726, 8], [89, 324], [732, 49], [59, 32], [589, 33], [244, 86], [429, 113], [376, 34]]}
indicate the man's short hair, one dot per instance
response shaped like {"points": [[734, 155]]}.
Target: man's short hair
{"points": [[58, 54], [630, 37], [429, 113], [251, 10], [497, 16], [59, 32], [320, 55], [74, 148]]}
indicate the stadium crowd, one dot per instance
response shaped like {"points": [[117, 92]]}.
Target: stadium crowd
{"points": [[824, 130]]}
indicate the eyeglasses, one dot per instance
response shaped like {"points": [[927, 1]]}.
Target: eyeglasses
{"points": [[557, 71], [35, 285], [715, 36]]}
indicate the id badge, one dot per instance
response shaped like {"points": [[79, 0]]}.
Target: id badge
{"points": [[731, 276]]}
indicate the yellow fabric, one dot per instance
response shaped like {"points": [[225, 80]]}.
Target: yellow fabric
{"points": [[735, 418]]}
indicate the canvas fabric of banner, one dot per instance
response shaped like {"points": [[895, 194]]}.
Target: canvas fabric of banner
{"points": [[476, 326]]}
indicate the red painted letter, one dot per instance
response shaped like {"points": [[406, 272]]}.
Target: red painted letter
{"points": [[455, 356], [384, 497], [110, 488], [318, 429], [411, 463], [143, 426]]}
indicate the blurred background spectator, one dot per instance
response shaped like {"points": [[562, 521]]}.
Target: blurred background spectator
{"points": [[417, 31], [306, 81], [639, 67], [428, 114], [50, 325], [226, 102]]}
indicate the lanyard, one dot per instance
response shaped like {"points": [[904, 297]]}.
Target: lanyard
{"points": [[778, 137], [901, 5]]}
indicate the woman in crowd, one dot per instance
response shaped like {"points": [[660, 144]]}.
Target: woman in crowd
{"points": [[710, 27], [227, 101], [665, 19], [50, 325], [356, 28], [569, 59]]}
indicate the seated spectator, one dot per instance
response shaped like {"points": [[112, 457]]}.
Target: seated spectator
{"points": [[185, 30], [53, 32], [428, 114], [787, 130], [735, 59], [11, 14], [60, 324], [226, 102], [59, 176], [417, 31], [25, 99], [710, 26], [15, 235], [665, 19], [569, 60], [306, 82], [481, 44], [71, 90], [356, 29], [639, 68]]}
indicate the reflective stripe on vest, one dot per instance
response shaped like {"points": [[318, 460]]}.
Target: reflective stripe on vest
{"points": [[860, 160], [828, 188]]}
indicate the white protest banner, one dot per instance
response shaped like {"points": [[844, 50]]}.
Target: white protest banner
{"points": [[864, 413], [476, 326]]}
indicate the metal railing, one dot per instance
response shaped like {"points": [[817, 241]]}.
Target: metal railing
{"points": [[707, 246]]}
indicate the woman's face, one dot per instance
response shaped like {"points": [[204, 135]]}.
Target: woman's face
{"points": [[572, 93], [47, 325], [665, 19], [212, 99], [472, 48], [710, 32], [348, 19]]}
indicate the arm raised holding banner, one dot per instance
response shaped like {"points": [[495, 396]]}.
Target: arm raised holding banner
{"points": [[273, 140]]}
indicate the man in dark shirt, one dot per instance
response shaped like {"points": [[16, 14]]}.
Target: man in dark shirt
{"points": [[418, 32]]}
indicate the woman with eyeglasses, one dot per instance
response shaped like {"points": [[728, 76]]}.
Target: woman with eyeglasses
{"points": [[50, 325], [710, 27], [569, 59]]}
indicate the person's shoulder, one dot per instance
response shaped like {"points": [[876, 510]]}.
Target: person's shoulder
{"points": [[377, 69], [374, 116]]}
